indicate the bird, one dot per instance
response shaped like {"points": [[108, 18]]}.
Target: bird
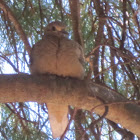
{"points": [[56, 54]]}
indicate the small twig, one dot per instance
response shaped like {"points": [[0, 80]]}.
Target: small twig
{"points": [[72, 118], [17, 25]]}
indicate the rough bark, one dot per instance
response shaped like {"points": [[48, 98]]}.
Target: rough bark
{"points": [[81, 94]]}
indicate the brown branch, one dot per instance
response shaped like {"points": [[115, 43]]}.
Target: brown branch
{"points": [[10, 34], [17, 25], [70, 121], [135, 16], [80, 94], [75, 15], [124, 26], [123, 132], [115, 65]]}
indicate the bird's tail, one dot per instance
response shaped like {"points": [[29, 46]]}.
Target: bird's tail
{"points": [[58, 117]]}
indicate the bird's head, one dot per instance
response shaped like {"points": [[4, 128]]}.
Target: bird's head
{"points": [[56, 28]]}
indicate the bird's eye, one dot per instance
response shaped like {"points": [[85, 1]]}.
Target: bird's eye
{"points": [[53, 28]]}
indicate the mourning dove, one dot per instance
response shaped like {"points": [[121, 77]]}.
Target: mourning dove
{"points": [[56, 54]]}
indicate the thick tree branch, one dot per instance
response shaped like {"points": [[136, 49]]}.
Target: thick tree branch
{"points": [[17, 25], [81, 94]]}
